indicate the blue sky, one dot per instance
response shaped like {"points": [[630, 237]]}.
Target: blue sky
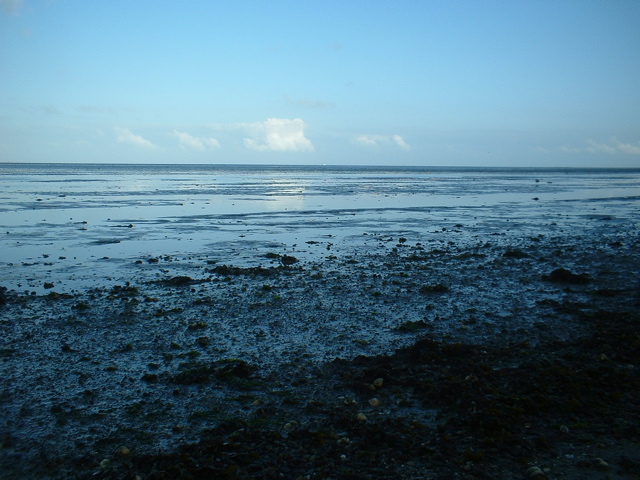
{"points": [[478, 83]]}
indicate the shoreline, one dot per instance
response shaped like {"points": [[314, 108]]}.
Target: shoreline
{"points": [[160, 366]]}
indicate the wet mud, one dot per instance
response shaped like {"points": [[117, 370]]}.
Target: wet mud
{"points": [[499, 357]]}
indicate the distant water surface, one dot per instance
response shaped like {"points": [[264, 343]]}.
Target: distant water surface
{"points": [[78, 225]]}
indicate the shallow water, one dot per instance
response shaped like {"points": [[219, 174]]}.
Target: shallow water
{"points": [[75, 226]]}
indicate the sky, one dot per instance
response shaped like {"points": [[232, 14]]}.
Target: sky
{"points": [[449, 83]]}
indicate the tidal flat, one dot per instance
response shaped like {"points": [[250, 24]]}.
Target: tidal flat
{"points": [[182, 322], [500, 356]]}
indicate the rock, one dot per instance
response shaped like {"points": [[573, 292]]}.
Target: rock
{"points": [[123, 451], [438, 288], [515, 254], [412, 326], [197, 325], [287, 260], [179, 281], [229, 270], [535, 473], [562, 275], [600, 464]]}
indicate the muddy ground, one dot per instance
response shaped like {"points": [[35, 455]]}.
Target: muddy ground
{"points": [[498, 358]]}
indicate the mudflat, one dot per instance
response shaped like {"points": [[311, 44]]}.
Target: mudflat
{"points": [[509, 356]]}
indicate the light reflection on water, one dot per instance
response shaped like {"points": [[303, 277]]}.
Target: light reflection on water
{"points": [[102, 218]]}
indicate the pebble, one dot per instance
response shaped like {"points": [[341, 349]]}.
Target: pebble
{"points": [[378, 382], [124, 451], [600, 464], [361, 417], [535, 473], [374, 402]]}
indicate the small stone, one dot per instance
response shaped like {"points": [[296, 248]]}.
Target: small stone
{"points": [[374, 402], [123, 451], [361, 417], [105, 463], [600, 464], [378, 382], [535, 473]]}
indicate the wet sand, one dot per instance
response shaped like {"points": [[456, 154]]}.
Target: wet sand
{"points": [[419, 358]]}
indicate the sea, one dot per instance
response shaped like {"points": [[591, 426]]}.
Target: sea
{"points": [[76, 226]]}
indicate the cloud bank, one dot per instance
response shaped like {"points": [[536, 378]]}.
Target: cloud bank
{"points": [[379, 141], [612, 148], [124, 135], [278, 135], [195, 143]]}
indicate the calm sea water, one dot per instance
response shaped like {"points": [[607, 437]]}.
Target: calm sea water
{"points": [[80, 225]]}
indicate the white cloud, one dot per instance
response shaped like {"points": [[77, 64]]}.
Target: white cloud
{"points": [[124, 135], [595, 147], [366, 140], [399, 141], [11, 6], [380, 141], [195, 143], [628, 148], [613, 147], [277, 134]]}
